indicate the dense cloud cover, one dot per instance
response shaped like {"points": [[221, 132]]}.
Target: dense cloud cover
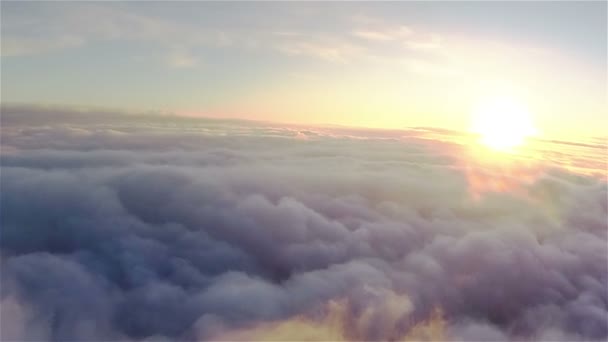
{"points": [[130, 227]]}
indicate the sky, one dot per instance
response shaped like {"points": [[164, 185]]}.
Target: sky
{"points": [[387, 65]]}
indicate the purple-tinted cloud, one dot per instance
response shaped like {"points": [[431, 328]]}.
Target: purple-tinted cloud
{"points": [[122, 227]]}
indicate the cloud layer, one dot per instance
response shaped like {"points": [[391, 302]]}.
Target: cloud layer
{"points": [[118, 226]]}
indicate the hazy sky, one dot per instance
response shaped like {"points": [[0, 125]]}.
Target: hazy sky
{"points": [[390, 64]]}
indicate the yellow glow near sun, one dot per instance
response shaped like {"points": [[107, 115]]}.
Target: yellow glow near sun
{"points": [[502, 123]]}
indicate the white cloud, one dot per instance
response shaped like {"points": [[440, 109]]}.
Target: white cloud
{"points": [[336, 51], [387, 34]]}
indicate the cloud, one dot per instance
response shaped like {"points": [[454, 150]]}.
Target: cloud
{"points": [[60, 26], [384, 35], [425, 42], [17, 46], [415, 40], [331, 50], [57, 27], [130, 227], [182, 59]]}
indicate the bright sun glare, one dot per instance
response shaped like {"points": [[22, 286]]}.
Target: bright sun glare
{"points": [[502, 123]]}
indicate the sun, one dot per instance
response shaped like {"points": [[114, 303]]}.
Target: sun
{"points": [[502, 123]]}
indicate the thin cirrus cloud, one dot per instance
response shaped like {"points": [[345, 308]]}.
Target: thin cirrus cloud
{"points": [[182, 59], [120, 226], [400, 32], [20, 46], [412, 39], [54, 28], [324, 49], [80, 24]]}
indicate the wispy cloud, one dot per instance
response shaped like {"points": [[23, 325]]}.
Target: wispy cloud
{"points": [[336, 51], [77, 24], [53, 28], [411, 38], [182, 59], [428, 41], [400, 32], [18, 46]]}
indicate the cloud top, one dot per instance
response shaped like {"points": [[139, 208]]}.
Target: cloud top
{"points": [[131, 227]]}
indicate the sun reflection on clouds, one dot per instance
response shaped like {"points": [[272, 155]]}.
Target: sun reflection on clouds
{"points": [[390, 316], [491, 170]]}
